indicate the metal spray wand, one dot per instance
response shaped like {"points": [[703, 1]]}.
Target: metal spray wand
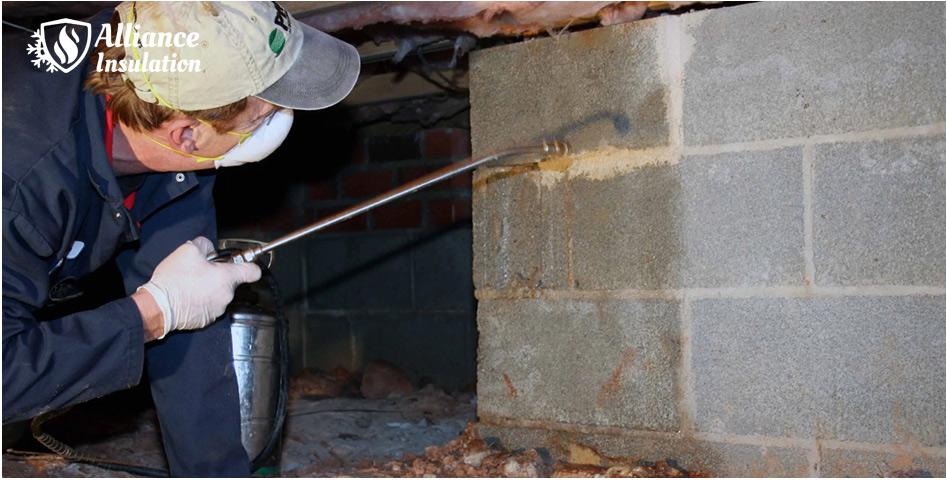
{"points": [[555, 148]]}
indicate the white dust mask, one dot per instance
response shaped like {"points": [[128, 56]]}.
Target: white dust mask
{"points": [[261, 143]]}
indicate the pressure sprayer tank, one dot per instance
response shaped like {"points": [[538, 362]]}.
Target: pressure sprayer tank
{"points": [[258, 337], [256, 362]]}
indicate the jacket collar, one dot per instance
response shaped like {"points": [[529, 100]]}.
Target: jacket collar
{"points": [[158, 189]]}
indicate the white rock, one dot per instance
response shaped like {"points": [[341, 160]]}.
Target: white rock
{"points": [[514, 469], [476, 458]]}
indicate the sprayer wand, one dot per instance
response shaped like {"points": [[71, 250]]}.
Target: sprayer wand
{"points": [[555, 148]]}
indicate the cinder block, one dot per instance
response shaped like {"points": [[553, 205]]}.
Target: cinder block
{"points": [[711, 221], [297, 340], [712, 458], [557, 235], [328, 343], [850, 463], [519, 233], [862, 369], [583, 362], [594, 88], [424, 345], [627, 231], [369, 271], [742, 219], [287, 268], [783, 70], [443, 279], [879, 213], [506, 232], [288, 271]]}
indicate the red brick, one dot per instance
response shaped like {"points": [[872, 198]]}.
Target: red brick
{"points": [[323, 190], [393, 148], [461, 181], [449, 211], [282, 220], [354, 224], [367, 184], [447, 143], [358, 152], [411, 173], [400, 215]]}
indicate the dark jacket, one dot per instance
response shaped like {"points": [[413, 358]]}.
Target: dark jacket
{"points": [[63, 218]]}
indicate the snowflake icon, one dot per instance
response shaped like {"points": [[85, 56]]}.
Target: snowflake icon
{"points": [[39, 50], [69, 46]]}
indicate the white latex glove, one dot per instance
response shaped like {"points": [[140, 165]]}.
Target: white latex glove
{"points": [[192, 291]]}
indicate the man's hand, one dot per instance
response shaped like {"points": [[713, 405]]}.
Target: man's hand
{"points": [[189, 291]]}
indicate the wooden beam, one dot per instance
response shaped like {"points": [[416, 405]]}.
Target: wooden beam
{"points": [[390, 86]]}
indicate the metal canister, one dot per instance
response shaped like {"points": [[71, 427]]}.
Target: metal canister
{"points": [[256, 361]]}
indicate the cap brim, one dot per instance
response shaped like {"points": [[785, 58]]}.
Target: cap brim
{"points": [[323, 74]]}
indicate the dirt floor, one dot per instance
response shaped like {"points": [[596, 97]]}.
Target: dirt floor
{"points": [[331, 430]]}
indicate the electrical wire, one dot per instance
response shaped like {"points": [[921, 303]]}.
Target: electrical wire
{"points": [[18, 26]]}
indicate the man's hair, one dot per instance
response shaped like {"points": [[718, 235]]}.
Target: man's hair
{"points": [[138, 114]]}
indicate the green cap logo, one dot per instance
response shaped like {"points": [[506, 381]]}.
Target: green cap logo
{"points": [[277, 40]]}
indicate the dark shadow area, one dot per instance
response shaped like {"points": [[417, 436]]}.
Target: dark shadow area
{"points": [[318, 147], [418, 242]]}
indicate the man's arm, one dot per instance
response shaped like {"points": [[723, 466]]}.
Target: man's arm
{"points": [[151, 319], [52, 364]]}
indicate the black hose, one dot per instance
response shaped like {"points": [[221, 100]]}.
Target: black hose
{"points": [[69, 453], [47, 440], [282, 328]]}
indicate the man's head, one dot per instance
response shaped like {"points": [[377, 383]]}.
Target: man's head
{"points": [[252, 59]]}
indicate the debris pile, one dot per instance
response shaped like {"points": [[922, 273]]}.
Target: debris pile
{"points": [[331, 429], [337, 383], [470, 456]]}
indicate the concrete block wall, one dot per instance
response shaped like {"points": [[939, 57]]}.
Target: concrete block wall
{"points": [[742, 267], [393, 284]]}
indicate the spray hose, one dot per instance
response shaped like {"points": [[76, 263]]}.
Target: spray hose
{"points": [[282, 329], [69, 453]]}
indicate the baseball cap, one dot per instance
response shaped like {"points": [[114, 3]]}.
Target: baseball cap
{"points": [[243, 49]]}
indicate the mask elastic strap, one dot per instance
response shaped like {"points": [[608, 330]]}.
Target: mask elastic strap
{"points": [[198, 157], [131, 14], [243, 136]]}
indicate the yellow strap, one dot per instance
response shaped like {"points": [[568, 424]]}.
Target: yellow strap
{"points": [[131, 19], [243, 136], [198, 157]]}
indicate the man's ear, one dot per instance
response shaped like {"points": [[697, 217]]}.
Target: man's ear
{"points": [[181, 133]]}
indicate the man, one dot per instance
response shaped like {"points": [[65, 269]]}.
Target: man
{"points": [[105, 165]]}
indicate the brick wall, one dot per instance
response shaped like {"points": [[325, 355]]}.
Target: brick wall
{"points": [[742, 266], [393, 284], [382, 163]]}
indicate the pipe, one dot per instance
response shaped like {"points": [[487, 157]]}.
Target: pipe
{"points": [[555, 148]]}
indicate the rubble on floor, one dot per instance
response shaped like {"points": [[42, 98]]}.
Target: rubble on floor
{"points": [[119, 427], [329, 436], [330, 430], [469, 456]]}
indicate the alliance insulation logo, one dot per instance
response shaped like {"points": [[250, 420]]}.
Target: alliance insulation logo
{"points": [[61, 45], [70, 44]]}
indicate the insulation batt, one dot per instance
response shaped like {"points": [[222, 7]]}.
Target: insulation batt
{"points": [[483, 19]]}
